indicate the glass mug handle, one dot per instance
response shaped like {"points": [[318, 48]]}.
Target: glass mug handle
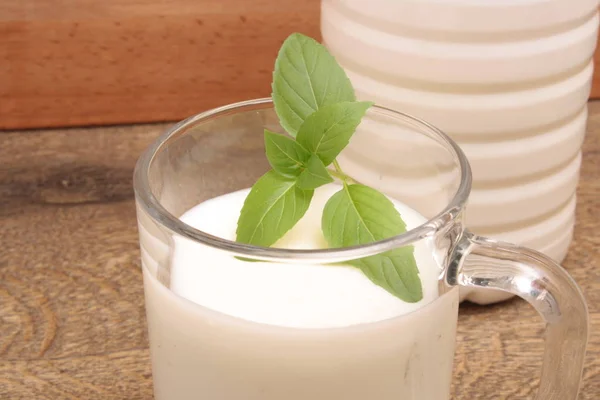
{"points": [[485, 263]]}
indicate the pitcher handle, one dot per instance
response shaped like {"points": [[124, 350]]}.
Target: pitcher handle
{"points": [[536, 278]]}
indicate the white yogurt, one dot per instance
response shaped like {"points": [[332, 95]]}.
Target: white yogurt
{"points": [[290, 295], [200, 349]]}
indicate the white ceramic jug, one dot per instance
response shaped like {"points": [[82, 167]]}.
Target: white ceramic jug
{"points": [[509, 81]]}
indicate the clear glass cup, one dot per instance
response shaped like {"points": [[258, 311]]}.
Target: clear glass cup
{"points": [[198, 352]]}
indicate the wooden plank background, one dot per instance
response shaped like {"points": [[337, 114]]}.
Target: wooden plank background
{"points": [[596, 83], [88, 62], [82, 62]]}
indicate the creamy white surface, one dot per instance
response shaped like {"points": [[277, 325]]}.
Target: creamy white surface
{"points": [[291, 295]]}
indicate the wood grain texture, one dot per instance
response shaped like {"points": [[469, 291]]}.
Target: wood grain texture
{"points": [[595, 94], [78, 62], [84, 62], [72, 322]]}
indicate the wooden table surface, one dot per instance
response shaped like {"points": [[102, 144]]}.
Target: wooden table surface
{"points": [[72, 322]]}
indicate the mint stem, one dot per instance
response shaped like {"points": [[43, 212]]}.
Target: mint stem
{"points": [[338, 173], [337, 167]]}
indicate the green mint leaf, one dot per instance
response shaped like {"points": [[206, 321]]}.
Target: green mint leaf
{"points": [[358, 214], [274, 205], [314, 175], [286, 156], [306, 78], [327, 131]]}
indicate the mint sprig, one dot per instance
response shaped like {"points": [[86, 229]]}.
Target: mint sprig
{"points": [[328, 130], [316, 105], [358, 214], [314, 175], [274, 205], [287, 157], [306, 78]]}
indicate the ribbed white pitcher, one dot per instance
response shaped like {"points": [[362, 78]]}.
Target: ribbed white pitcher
{"points": [[508, 80]]}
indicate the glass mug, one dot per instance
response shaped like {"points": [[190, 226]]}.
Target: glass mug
{"points": [[197, 352]]}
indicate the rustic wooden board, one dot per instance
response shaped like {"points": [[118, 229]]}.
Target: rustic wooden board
{"points": [[596, 82], [81, 62], [72, 322]]}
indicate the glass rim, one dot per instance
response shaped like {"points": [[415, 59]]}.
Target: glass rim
{"points": [[152, 206]]}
